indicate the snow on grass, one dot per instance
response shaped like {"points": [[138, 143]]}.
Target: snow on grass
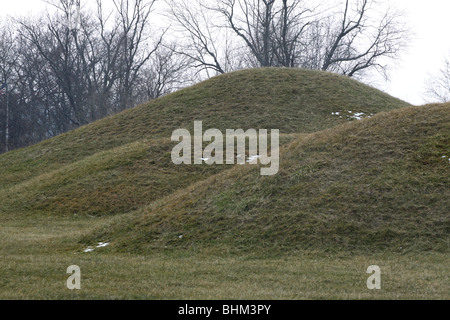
{"points": [[358, 115], [251, 159], [350, 115], [100, 245]]}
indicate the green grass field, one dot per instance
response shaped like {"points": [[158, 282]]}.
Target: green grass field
{"points": [[34, 263], [349, 194]]}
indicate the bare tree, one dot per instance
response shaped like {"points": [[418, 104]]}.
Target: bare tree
{"points": [[71, 67], [294, 34], [273, 32], [438, 86], [233, 34], [164, 74], [96, 67], [252, 22], [134, 20], [7, 63], [289, 29], [23, 110], [56, 46], [208, 46], [358, 41]]}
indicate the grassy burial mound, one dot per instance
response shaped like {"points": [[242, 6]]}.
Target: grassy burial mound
{"points": [[122, 163], [380, 184], [348, 194]]}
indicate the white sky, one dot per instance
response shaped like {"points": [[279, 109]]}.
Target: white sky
{"points": [[428, 20]]}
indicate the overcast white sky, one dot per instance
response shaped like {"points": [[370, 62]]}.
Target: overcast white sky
{"points": [[428, 20]]}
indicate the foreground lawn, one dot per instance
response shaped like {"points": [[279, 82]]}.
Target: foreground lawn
{"points": [[106, 276], [35, 256]]}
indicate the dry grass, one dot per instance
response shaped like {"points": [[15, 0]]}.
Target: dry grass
{"points": [[35, 259], [376, 185], [348, 195]]}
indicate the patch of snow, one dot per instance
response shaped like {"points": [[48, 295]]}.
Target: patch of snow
{"points": [[100, 245], [358, 116], [353, 115]]}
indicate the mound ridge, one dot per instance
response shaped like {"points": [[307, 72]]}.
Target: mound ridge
{"points": [[122, 163], [380, 184]]}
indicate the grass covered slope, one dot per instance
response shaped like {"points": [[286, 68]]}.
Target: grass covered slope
{"points": [[106, 183], [121, 163], [348, 195], [292, 100], [378, 184]]}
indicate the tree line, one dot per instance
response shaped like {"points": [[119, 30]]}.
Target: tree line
{"points": [[75, 65]]}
